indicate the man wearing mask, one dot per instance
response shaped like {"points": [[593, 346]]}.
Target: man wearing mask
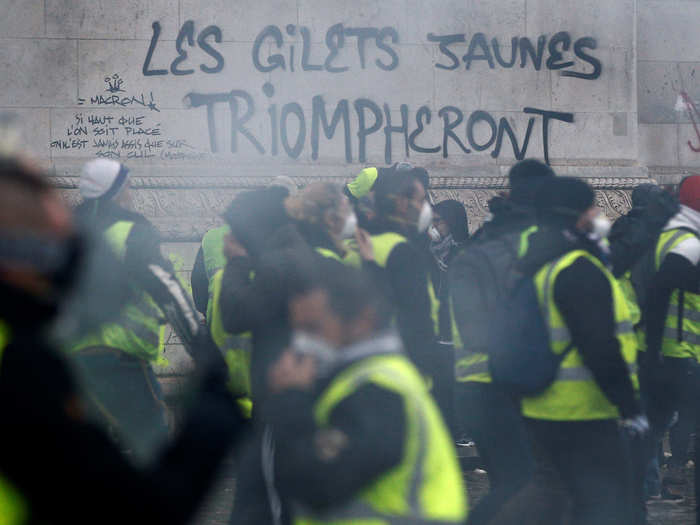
{"points": [[56, 467], [403, 213], [484, 412], [359, 438], [673, 316], [577, 423]]}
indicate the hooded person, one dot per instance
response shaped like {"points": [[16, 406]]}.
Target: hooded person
{"points": [[116, 359], [672, 309], [575, 422], [56, 466], [515, 211]]}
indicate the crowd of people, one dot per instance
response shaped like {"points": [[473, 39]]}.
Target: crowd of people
{"points": [[346, 340]]}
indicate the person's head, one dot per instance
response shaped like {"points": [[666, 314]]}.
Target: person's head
{"points": [[689, 192], [38, 251], [339, 307], [104, 180], [254, 216], [286, 182], [525, 179], [644, 193], [401, 197], [323, 205], [569, 203], [450, 218]]}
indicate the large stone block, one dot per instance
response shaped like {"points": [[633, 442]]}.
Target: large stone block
{"points": [[38, 72], [689, 145], [98, 62], [22, 18], [128, 19], [503, 19], [609, 23], [241, 21], [658, 144], [668, 31], [592, 137], [515, 89], [659, 84], [33, 124]]}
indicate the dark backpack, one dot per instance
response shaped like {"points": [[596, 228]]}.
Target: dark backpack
{"points": [[521, 360], [481, 279]]}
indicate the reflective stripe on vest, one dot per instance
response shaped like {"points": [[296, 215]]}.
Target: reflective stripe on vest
{"points": [[140, 330], [426, 487], [574, 395], [689, 344], [13, 507], [235, 348]]}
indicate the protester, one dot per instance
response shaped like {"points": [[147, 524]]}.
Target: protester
{"points": [[358, 437], [55, 466], [671, 373], [479, 282], [575, 422], [116, 359]]}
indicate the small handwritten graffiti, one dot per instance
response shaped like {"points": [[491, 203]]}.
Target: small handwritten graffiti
{"points": [[694, 115], [114, 84]]}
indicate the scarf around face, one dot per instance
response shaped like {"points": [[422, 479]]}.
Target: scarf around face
{"points": [[441, 250]]}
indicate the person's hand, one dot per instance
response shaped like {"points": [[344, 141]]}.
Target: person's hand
{"points": [[292, 371], [364, 245], [636, 426], [232, 248]]}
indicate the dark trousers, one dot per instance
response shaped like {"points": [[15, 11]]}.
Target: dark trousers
{"points": [[492, 419], [123, 394], [442, 376], [671, 386], [591, 463]]}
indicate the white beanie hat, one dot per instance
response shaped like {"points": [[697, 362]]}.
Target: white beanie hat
{"points": [[102, 178]]}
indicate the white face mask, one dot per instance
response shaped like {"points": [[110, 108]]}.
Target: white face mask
{"points": [[350, 227], [425, 218], [601, 226], [434, 234], [311, 345]]}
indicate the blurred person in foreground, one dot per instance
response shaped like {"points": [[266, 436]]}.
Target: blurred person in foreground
{"points": [[359, 439], [56, 467], [116, 360]]}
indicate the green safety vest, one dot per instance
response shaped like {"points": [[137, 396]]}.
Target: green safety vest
{"points": [[141, 329], [13, 508], [574, 395], [235, 348], [426, 487], [383, 244], [689, 345], [363, 183], [473, 367]]}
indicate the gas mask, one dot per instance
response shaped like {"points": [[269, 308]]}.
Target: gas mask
{"points": [[425, 217], [434, 234], [600, 226], [349, 227], [314, 346]]}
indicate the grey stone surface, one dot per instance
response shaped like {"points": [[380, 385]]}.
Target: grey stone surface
{"points": [[22, 18], [689, 138], [668, 30], [659, 86], [37, 72], [125, 19], [591, 137], [658, 144]]}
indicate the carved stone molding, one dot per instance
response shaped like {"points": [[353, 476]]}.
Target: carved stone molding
{"points": [[185, 207]]}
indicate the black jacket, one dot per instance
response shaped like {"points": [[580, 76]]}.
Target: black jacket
{"points": [[69, 471], [324, 468], [584, 297]]}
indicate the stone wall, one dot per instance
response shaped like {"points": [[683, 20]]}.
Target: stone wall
{"points": [[205, 98]]}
